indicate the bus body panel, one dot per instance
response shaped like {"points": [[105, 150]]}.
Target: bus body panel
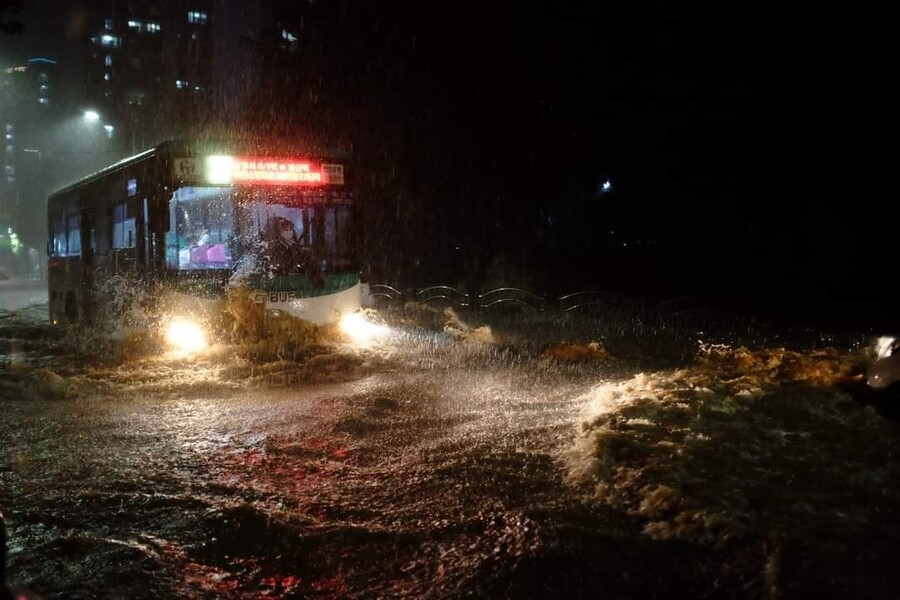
{"points": [[317, 308], [64, 276]]}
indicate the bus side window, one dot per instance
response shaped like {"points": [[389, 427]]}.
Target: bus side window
{"points": [[74, 235], [123, 228], [102, 231], [60, 247], [342, 213], [317, 227], [307, 226], [330, 230]]}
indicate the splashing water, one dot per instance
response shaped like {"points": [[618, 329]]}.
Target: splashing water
{"points": [[440, 462], [747, 447]]}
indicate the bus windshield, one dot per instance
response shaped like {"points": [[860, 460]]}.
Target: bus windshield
{"points": [[211, 227]]}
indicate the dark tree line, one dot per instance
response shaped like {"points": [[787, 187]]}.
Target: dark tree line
{"points": [[8, 11]]}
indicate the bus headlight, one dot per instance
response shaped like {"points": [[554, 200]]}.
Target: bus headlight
{"points": [[185, 336], [360, 329]]}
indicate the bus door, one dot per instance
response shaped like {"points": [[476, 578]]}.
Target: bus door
{"points": [[133, 241], [124, 243], [156, 222], [141, 238], [88, 255], [150, 231]]}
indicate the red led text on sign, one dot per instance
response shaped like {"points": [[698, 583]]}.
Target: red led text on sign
{"points": [[284, 172]]}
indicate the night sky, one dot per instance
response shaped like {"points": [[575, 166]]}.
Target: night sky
{"points": [[737, 139]]}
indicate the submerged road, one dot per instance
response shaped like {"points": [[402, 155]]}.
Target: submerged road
{"points": [[16, 295], [417, 472], [418, 484], [403, 483]]}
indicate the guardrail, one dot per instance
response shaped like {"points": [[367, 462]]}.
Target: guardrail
{"points": [[501, 298], [619, 315], [443, 295], [511, 299]]}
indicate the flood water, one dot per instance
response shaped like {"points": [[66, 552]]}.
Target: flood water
{"points": [[520, 463]]}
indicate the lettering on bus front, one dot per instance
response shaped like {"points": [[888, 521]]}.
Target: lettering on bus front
{"points": [[261, 296]]}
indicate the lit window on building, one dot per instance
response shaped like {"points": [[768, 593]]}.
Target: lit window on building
{"points": [[288, 36], [196, 17], [136, 25], [109, 41], [106, 77], [44, 101], [108, 60], [153, 27], [180, 84], [108, 24]]}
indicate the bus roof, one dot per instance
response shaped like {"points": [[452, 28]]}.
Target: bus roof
{"points": [[184, 147]]}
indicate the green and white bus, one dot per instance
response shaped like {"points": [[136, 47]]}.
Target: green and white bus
{"points": [[194, 217]]}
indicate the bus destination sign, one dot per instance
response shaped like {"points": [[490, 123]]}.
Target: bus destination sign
{"points": [[260, 170], [227, 170]]}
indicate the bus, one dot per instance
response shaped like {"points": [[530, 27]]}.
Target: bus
{"points": [[195, 217]]}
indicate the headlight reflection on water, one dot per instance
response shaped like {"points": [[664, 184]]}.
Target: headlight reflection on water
{"points": [[185, 336]]}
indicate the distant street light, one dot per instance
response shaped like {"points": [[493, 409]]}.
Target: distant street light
{"points": [[604, 188], [91, 116]]}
